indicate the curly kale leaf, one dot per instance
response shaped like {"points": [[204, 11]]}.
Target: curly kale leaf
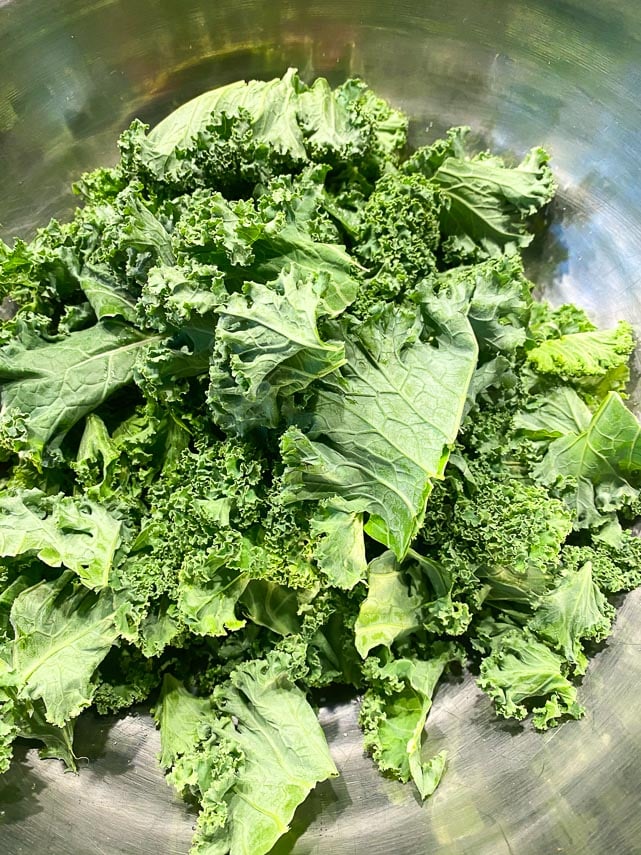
{"points": [[26, 719], [180, 295], [198, 508], [553, 415], [62, 632], [268, 349], [368, 440], [105, 294], [443, 589], [125, 677], [244, 133], [251, 758], [117, 468], [272, 606], [209, 589], [45, 388], [214, 525], [339, 548], [595, 361], [60, 530], [500, 300], [38, 280], [584, 354], [573, 612], [520, 669], [134, 236], [394, 711], [399, 232], [272, 106], [595, 469], [507, 532], [615, 567], [547, 322], [256, 241], [387, 126], [389, 611], [223, 153], [279, 412], [428, 158], [485, 204]]}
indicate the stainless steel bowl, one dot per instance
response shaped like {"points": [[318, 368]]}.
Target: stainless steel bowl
{"points": [[562, 73]]}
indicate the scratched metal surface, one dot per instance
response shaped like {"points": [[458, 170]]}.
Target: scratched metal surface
{"points": [[565, 74]]}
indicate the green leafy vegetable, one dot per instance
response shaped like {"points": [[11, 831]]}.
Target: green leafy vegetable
{"points": [[60, 531], [377, 438], [269, 347], [575, 610], [597, 468], [485, 203], [340, 548], [47, 388], [584, 354], [393, 715], [62, 633], [388, 611], [252, 760], [520, 668], [279, 412], [26, 719]]}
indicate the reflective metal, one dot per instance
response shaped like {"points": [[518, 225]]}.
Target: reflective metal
{"points": [[563, 73]]}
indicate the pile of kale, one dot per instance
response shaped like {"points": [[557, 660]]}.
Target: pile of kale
{"points": [[278, 411]]}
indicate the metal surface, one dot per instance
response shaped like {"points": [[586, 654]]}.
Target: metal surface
{"points": [[563, 74]]}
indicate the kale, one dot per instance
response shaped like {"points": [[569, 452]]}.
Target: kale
{"points": [[279, 412]]}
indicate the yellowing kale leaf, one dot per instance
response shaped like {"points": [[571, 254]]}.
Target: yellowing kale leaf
{"points": [[595, 362], [584, 354]]}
